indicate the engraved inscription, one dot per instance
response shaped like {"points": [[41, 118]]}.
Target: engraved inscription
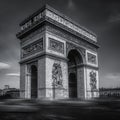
{"points": [[91, 58], [32, 48], [56, 45]]}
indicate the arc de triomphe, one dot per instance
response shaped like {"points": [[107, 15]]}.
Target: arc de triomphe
{"points": [[58, 57]]}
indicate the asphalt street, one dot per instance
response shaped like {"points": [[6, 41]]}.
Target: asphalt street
{"points": [[60, 109]]}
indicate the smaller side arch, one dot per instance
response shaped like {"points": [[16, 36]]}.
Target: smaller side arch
{"points": [[34, 81]]}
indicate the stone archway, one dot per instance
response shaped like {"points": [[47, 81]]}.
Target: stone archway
{"points": [[45, 71], [34, 82], [75, 62]]}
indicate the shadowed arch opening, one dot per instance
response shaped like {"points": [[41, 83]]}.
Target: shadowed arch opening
{"points": [[74, 62], [34, 81]]}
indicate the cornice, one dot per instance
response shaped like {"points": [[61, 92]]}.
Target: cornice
{"points": [[42, 55], [47, 18]]}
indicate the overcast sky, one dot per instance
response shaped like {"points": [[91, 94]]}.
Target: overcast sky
{"points": [[100, 16]]}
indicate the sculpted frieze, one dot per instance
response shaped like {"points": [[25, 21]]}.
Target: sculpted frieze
{"points": [[91, 58], [33, 20], [32, 48], [56, 45], [71, 38], [32, 35], [70, 25]]}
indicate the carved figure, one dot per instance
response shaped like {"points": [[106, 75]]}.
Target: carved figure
{"points": [[93, 81], [57, 75]]}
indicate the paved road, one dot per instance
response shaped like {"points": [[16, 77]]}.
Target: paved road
{"points": [[59, 110]]}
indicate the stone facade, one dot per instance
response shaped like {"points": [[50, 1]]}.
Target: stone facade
{"points": [[58, 57]]}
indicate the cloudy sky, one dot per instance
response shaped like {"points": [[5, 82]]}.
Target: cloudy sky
{"points": [[100, 16]]}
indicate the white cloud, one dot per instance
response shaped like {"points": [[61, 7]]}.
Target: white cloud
{"points": [[113, 76], [114, 18], [13, 74], [4, 65], [110, 80]]}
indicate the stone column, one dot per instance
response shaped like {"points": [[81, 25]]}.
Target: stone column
{"points": [[41, 78], [28, 86], [80, 83], [22, 80]]}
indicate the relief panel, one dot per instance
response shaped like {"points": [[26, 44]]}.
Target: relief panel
{"points": [[71, 38], [56, 45], [32, 48], [56, 78], [91, 58], [92, 83]]}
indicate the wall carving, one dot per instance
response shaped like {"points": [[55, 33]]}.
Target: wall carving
{"points": [[71, 38], [56, 45], [91, 58], [70, 25], [57, 75], [33, 20], [31, 36], [93, 81], [32, 48]]}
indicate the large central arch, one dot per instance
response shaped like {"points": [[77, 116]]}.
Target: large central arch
{"points": [[74, 65]]}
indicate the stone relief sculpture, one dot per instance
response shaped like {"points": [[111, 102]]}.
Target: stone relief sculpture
{"points": [[91, 58], [56, 45], [32, 48], [57, 75], [69, 25], [93, 81]]}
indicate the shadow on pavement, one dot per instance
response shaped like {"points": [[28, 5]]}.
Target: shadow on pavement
{"points": [[71, 109]]}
